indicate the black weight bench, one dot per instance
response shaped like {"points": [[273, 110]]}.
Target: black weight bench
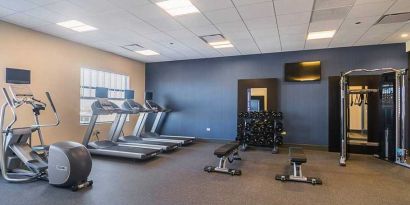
{"points": [[227, 152], [297, 157]]}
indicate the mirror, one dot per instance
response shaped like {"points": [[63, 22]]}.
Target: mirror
{"points": [[257, 99], [358, 110]]}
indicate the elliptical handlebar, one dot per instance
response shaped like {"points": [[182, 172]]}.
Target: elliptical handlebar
{"points": [[13, 107], [57, 117]]}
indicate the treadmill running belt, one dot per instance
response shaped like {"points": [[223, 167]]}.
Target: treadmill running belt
{"points": [[132, 149]]}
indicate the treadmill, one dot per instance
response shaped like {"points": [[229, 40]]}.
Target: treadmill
{"points": [[160, 111], [107, 147], [129, 106], [152, 136]]}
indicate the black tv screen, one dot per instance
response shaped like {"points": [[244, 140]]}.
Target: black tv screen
{"points": [[17, 76], [303, 71]]}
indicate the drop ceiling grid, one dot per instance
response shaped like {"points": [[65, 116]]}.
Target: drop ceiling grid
{"points": [[253, 26]]}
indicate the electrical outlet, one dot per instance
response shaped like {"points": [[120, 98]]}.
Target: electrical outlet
{"points": [[208, 129]]}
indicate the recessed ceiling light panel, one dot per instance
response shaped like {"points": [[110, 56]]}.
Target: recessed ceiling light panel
{"points": [[147, 52], [321, 35], [404, 35], [178, 7], [77, 26]]}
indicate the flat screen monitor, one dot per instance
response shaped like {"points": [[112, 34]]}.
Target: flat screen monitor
{"points": [[303, 71], [129, 94], [149, 96], [17, 76], [101, 92]]}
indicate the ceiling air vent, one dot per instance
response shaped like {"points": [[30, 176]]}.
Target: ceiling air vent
{"points": [[394, 18], [213, 38], [132, 47]]}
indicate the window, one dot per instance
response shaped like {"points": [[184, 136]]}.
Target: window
{"points": [[90, 79]]}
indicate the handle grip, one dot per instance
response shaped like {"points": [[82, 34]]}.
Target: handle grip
{"points": [[9, 101], [51, 102]]}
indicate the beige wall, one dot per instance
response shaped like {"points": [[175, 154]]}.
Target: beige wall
{"points": [[55, 67]]}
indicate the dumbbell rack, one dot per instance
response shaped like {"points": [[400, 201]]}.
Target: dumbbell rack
{"points": [[263, 129]]}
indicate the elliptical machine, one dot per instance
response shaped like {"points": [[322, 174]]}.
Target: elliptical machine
{"points": [[64, 164]]}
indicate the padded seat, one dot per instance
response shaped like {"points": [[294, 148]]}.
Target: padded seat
{"points": [[226, 149], [296, 155]]}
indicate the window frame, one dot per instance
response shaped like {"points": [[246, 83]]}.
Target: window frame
{"points": [[99, 81]]}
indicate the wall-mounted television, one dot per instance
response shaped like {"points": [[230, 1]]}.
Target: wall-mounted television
{"points": [[17, 76], [303, 71]]}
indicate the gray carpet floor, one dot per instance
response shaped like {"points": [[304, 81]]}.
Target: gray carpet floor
{"points": [[178, 178]]}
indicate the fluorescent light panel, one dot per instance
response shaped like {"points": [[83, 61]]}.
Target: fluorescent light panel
{"points": [[404, 35], [77, 26], [147, 52], [224, 46], [321, 35], [178, 7]]}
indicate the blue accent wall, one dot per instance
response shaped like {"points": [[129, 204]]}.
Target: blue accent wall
{"points": [[203, 92]]}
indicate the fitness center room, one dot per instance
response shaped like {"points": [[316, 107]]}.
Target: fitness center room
{"points": [[204, 102]]}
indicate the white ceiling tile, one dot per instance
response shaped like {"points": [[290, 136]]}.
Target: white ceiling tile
{"points": [[232, 27], [265, 33], [359, 22], [373, 9], [297, 29], [45, 15], [293, 19], [54, 29], [44, 2], [6, 11], [210, 5], [112, 20], [229, 51], [330, 4], [94, 6], [370, 1], [330, 14], [292, 6], [292, 45], [348, 36], [129, 4], [325, 25], [223, 15], [261, 23], [317, 44], [245, 2], [17, 5], [238, 35], [259, 10], [143, 28], [24, 20], [293, 37], [166, 24], [196, 19], [378, 33], [181, 34], [204, 30], [68, 9], [400, 6], [149, 12]]}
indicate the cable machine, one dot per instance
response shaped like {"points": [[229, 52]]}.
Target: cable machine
{"points": [[392, 93]]}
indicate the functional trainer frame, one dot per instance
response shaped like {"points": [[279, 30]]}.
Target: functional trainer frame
{"points": [[400, 112]]}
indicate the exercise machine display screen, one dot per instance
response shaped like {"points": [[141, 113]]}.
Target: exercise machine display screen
{"points": [[303, 71], [101, 92], [129, 94], [17, 76], [149, 96]]}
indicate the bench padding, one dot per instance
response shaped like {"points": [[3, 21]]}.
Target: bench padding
{"points": [[226, 149], [297, 155]]}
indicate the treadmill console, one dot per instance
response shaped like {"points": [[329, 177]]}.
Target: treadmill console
{"points": [[134, 106], [153, 106], [104, 107]]}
